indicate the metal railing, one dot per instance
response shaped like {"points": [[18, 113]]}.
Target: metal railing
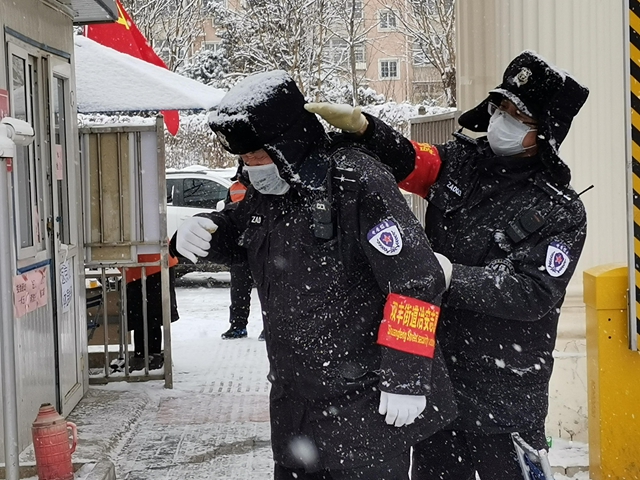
{"points": [[123, 221], [433, 129]]}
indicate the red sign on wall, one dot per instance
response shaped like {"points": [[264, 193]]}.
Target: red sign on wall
{"points": [[4, 103]]}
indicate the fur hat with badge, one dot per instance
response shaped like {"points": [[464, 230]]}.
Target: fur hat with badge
{"points": [[266, 110], [538, 89]]}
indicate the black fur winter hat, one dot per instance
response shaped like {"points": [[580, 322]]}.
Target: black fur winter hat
{"points": [[266, 110], [547, 94]]}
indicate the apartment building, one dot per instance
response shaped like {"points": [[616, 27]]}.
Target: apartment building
{"points": [[387, 60]]}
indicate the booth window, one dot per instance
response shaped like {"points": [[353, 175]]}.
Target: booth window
{"points": [[61, 174], [25, 179]]}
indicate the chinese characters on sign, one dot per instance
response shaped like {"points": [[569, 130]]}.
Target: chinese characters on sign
{"points": [[66, 285], [59, 163], [30, 291], [409, 325]]}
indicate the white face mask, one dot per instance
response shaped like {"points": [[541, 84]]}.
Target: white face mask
{"points": [[266, 179], [506, 134]]}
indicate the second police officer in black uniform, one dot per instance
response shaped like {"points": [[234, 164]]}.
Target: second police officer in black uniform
{"points": [[502, 210]]}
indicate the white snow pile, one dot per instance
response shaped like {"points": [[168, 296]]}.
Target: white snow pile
{"points": [[250, 91], [110, 81]]}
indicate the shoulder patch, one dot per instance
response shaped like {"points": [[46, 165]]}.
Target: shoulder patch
{"points": [[386, 238], [557, 259]]}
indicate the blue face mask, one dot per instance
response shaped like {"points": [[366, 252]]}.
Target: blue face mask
{"points": [[266, 179], [506, 134]]}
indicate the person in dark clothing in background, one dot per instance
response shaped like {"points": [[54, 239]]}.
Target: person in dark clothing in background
{"points": [[502, 210], [241, 280], [133, 279], [349, 311]]}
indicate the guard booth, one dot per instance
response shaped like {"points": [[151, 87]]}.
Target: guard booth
{"points": [[123, 169], [43, 324]]}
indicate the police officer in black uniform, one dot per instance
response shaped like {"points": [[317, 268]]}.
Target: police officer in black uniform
{"points": [[502, 210], [348, 284]]}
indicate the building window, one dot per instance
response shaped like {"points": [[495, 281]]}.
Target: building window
{"points": [[211, 46], [387, 20], [389, 70], [419, 56], [357, 10], [361, 61], [337, 51]]}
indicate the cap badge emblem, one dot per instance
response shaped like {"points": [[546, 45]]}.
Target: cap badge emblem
{"points": [[522, 77]]}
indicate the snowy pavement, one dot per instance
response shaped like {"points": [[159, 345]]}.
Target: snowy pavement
{"points": [[214, 423]]}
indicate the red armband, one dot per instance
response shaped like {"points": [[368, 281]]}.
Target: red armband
{"points": [[409, 325], [425, 172]]}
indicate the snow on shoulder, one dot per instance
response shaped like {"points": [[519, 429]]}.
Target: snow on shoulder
{"points": [[250, 91]]}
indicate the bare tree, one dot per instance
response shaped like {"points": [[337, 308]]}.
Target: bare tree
{"points": [[350, 39], [430, 24], [171, 26]]}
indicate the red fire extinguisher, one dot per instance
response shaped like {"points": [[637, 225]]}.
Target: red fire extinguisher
{"points": [[50, 432]]}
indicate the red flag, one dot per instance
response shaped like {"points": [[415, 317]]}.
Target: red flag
{"points": [[124, 36]]}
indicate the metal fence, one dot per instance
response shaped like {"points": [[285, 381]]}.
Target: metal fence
{"points": [[124, 218], [433, 129]]}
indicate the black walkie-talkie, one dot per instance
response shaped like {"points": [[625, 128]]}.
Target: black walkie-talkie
{"points": [[523, 226]]}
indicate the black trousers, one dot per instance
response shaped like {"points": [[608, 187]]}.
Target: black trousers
{"points": [[241, 285], [155, 340], [154, 311], [457, 455], [395, 469]]}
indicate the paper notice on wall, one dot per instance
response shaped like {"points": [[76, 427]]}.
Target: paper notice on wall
{"points": [[30, 291], [4, 103], [59, 164], [66, 285]]}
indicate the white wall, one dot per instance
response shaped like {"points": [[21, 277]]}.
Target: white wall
{"points": [[584, 37]]}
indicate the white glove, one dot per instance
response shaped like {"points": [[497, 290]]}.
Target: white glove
{"points": [[193, 237], [447, 268], [342, 116], [401, 409]]}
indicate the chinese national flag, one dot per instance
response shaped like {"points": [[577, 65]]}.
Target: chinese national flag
{"points": [[124, 36]]}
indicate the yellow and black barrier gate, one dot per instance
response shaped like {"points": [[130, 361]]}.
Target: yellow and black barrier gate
{"points": [[633, 168], [612, 298]]}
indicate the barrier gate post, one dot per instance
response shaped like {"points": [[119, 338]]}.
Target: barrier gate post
{"points": [[613, 377]]}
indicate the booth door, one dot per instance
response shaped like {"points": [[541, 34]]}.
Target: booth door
{"points": [[64, 232]]}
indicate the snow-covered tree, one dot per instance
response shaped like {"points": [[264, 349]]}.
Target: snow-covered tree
{"points": [[196, 144], [268, 35], [430, 24], [171, 26], [347, 40], [210, 67]]}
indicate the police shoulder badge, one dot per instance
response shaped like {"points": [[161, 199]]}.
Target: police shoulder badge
{"points": [[386, 238], [557, 259]]}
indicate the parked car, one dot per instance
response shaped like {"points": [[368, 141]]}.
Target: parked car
{"points": [[190, 191]]}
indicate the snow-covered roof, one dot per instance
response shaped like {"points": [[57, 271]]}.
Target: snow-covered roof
{"points": [[110, 81]]}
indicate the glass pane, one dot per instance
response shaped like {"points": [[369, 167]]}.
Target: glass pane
{"points": [[171, 184], [60, 159], [384, 69], [35, 167], [21, 164], [393, 69], [19, 81], [203, 193]]}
